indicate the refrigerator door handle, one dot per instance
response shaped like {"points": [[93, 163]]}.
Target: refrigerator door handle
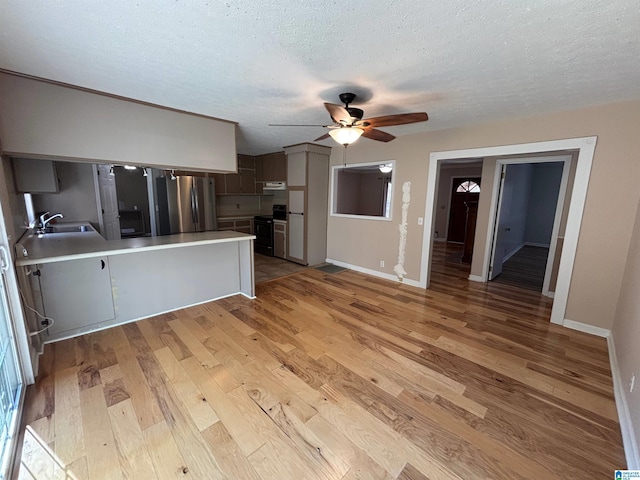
{"points": [[194, 207]]}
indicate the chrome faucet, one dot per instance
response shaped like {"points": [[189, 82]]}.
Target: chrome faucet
{"points": [[44, 220]]}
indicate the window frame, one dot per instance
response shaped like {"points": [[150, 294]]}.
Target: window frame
{"points": [[333, 193]]}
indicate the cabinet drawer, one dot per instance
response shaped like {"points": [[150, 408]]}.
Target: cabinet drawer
{"points": [[243, 229], [222, 225], [279, 227], [243, 223]]}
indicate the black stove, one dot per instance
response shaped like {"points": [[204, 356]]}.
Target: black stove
{"points": [[263, 230]]}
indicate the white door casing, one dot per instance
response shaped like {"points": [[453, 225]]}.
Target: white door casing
{"points": [[585, 146], [497, 253]]}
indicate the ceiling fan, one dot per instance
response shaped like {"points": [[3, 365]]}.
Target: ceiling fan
{"points": [[348, 124]]}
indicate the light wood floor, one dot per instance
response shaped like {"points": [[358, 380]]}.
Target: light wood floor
{"points": [[339, 376]]}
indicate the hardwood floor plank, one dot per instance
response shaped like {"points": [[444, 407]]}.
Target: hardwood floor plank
{"points": [[135, 461], [231, 459], [411, 473], [341, 376], [199, 459], [69, 438], [102, 455], [293, 458], [196, 348], [240, 429], [163, 451], [191, 397], [144, 402]]}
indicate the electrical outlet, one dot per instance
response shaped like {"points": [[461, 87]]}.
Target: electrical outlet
{"points": [[382, 263], [420, 220], [632, 383]]}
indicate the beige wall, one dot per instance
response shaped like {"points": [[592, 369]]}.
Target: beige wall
{"points": [[626, 327], [39, 119], [605, 232]]}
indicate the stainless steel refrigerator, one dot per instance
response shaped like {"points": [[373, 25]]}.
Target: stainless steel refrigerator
{"points": [[186, 204]]}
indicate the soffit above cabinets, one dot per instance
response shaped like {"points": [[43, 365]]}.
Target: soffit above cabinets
{"points": [[259, 62]]}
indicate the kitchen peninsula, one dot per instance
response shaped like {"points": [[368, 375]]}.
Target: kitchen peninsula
{"points": [[86, 283]]}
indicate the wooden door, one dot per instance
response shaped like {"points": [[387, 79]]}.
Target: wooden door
{"points": [[458, 208]]}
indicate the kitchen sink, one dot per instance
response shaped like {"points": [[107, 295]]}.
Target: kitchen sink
{"points": [[69, 228]]}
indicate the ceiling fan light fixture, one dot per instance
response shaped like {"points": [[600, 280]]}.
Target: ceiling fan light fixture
{"points": [[346, 135], [386, 168]]}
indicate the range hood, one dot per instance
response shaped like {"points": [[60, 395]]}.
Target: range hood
{"points": [[274, 186]]}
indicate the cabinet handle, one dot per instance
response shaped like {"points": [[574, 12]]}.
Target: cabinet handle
{"points": [[103, 264], [296, 213]]}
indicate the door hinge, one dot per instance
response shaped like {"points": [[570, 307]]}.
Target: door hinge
{"points": [[36, 273], [490, 269]]}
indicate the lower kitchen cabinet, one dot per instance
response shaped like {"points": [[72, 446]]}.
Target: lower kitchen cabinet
{"points": [[76, 293], [242, 225], [279, 239]]}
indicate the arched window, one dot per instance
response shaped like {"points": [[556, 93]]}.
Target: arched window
{"points": [[468, 186]]}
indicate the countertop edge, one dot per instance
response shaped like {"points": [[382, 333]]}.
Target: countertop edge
{"points": [[26, 261]]}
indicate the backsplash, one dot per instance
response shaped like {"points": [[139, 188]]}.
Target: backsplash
{"points": [[241, 205]]}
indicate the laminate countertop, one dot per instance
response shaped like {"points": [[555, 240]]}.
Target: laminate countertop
{"points": [[56, 247]]}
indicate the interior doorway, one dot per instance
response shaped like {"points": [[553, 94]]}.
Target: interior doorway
{"points": [[465, 191], [583, 148], [528, 215]]}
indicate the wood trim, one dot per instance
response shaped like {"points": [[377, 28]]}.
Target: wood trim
{"points": [[111, 95]]}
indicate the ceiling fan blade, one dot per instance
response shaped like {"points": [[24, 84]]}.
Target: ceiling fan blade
{"points": [[338, 114], [322, 137], [290, 125], [379, 135], [399, 119]]}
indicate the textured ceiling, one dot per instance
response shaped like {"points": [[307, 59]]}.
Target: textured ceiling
{"points": [[259, 62]]}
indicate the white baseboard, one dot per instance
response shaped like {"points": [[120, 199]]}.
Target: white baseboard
{"points": [[629, 438], [476, 278], [533, 244], [586, 328], [513, 252], [374, 273]]}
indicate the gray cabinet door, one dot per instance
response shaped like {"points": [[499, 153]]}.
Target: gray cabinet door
{"points": [[296, 248], [76, 293]]}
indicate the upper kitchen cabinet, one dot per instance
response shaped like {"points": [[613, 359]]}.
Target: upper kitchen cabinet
{"points": [[271, 167], [35, 176], [39, 119], [241, 183]]}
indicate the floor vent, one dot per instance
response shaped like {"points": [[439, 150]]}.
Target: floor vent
{"points": [[331, 269]]}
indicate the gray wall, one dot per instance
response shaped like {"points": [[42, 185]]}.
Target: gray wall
{"points": [[513, 211], [77, 197], [541, 211]]}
